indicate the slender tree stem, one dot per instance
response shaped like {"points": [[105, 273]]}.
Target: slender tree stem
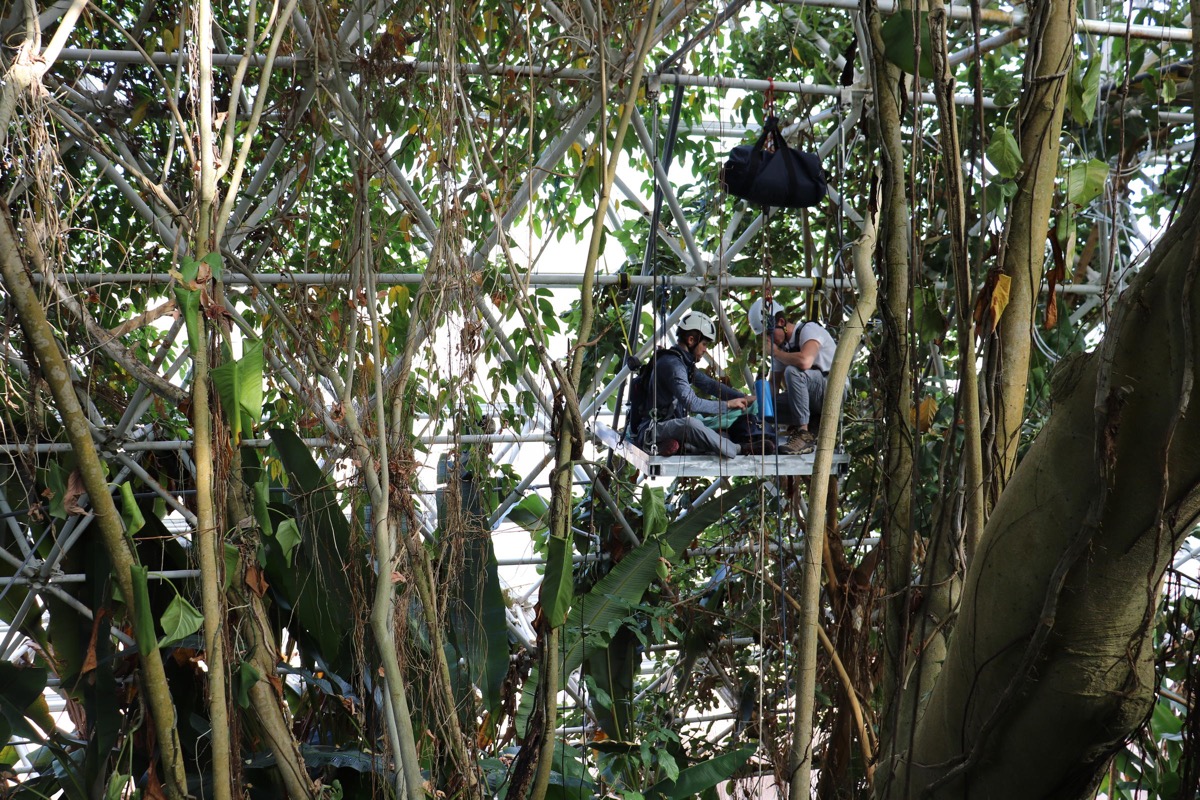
{"points": [[55, 371], [208, 538], [800, 786]]}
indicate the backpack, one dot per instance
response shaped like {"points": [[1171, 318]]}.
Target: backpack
{"points": [[641, 391]]}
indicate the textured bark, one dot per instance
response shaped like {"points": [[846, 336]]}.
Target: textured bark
{"points": [[814, 537], [54, 369], [897, 718], [1051, 665], [208, 537], [1039, 130], [957, 218]]}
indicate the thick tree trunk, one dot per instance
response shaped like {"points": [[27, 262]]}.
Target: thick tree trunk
{"points": [[1052, 45], [1051, 665]]}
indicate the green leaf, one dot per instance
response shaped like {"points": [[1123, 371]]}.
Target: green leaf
{"points": [[130, 513], [898, 47], [231, 556], [1167, 90], [189, 301], [1085, 181], [116, 786], [239, 384], [324, 619], [654, 512], [22, 688], [699, 777], [556, 592], [213, 259], [288, 536], [245, 678], [479, 632], [56, 482], [179, 621], [262, 498], [667, 762], [531, 514], [1084, 90], [1004, 153], [623, 587], [143, 620]]}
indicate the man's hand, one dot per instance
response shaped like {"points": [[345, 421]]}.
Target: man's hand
{"points": [[739, 402]]}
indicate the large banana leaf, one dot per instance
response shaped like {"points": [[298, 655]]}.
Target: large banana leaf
{"points": [[614, 594], [479, 635], [317, 586], [699, 777]]}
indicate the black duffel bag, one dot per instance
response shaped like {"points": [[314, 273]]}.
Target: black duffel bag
{"points": [[785, 178]]}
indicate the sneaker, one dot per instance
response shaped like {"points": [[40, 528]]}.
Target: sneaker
{"points": [[799, 443]]}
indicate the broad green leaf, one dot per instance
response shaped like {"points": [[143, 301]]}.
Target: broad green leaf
{"points": [[556, 592], [239, 384], [22, 687], [213, 259], [1164, 722], [117, 784], [1085, 181], [667, 762], [702, 776], [624, 586], [1004, 153], [245, 678], [1167, 90], [287, 533], [654, 512], [131, 515], [188, 299], [143, 620], [231, 556], [262, 499], [479, 632], [898, 47], [179, 621], [324, 619], [531, 513], [56, 482], [998, 194], [1084, 90]]}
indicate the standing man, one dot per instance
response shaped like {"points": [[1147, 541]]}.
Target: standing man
{"points": [[672, 397], [802, 356]]}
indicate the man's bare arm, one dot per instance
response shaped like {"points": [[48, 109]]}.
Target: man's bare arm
{"points": [[803, 359]]}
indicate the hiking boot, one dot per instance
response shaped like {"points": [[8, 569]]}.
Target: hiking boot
{"points": [[757, 447], [799, 443]]}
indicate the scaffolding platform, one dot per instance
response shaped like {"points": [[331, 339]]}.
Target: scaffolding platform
{"points": [[766, 466]]}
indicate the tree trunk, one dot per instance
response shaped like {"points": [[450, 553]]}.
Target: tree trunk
{"points": [[1051, 44], [1051, 665], [54, 369], [895, 380]]}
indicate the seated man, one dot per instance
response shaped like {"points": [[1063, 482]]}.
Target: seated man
{"points": [[802, 356], [672, 397]]}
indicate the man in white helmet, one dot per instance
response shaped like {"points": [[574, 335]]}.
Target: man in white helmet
{"points": [[672, 397], [802, 356]]}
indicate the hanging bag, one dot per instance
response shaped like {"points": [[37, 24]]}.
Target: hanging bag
{"points": [[782, 177]]}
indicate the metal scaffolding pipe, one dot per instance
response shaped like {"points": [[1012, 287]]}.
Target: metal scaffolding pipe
{"points": [[561, 280], [111, 449]]}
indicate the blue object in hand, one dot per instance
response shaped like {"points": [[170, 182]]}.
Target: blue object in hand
{"points": [[765, 398]]}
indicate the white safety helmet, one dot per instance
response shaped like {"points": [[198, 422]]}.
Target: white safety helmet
{"points": [[695, 322], [762, 316]]}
